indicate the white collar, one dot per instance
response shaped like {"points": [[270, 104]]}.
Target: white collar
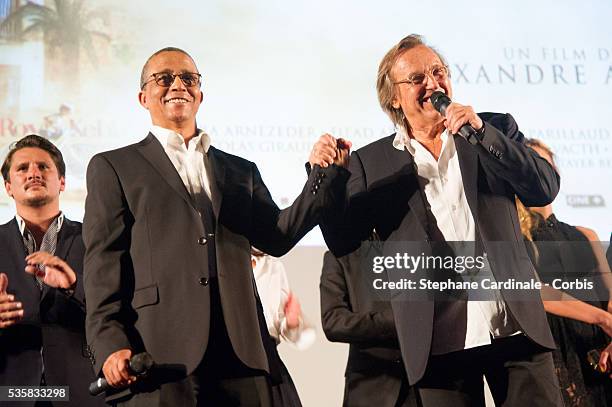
{"points": [[22, 224], [169, 137], [402, 141]]}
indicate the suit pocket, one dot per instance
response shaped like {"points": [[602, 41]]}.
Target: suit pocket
{"points": [[145, 296]]}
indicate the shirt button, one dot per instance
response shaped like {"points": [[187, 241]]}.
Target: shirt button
{"points": [[204, 281], [202, 241]]}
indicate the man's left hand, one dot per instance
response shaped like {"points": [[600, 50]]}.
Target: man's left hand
{"points": [[458, 115], [55, 273]]}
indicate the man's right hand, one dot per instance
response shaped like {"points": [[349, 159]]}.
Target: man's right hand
{"points": [[11, 311], [116, 371], [328, 150]]}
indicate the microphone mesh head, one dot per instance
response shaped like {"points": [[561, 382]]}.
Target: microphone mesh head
{"points": [[440, 101], [141, 363]]}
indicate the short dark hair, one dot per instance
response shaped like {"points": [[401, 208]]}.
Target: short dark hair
{"points": [[143, 73], [34, 141]]}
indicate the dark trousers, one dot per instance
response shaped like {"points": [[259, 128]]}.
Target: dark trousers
{"points": [[518, 371], [378, 388], [220, 380], [202, 391], [237, 392]]}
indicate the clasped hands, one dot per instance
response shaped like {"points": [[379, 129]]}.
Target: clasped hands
{"points": [[329, 150], [54, 273]]}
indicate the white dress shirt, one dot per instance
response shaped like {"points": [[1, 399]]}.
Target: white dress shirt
{"points": [[442, 183], [273, 288], [189, 161]]}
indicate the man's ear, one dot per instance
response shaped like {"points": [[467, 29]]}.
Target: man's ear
{"points": [[62, 184], [142, 98], [7, 186], [395, 102]]}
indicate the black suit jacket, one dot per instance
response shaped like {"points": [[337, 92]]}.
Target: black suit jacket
{"points": [[352, 313], [383, 194], [146, 265], [52, 319]]}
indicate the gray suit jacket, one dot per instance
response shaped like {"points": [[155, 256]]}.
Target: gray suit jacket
{"points": [[146, 270], [383, 193]]}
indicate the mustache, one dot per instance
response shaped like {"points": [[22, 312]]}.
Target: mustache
{"points": [[35, 182]]}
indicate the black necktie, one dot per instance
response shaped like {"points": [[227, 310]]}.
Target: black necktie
{"points": [[48, 244]]}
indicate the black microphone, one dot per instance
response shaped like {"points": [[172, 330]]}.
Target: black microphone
{"points": [[139, 366], [440, 102]]}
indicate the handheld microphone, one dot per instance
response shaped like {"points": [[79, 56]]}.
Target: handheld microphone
{"points": [[139, 366], [440, 102]]}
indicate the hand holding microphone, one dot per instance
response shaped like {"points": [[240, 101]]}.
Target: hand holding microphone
{"points": [[460, 119], [119, 371]]}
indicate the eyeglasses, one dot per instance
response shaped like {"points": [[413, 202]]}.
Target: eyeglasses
{"points": [[439, 72], [166, 79]]}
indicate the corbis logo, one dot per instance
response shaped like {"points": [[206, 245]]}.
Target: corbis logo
{"points": [[585, 201]]}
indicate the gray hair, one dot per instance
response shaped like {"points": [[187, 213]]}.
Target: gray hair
{"points": [[384, 84]]}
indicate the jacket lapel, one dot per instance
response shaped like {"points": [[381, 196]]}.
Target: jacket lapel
{"points": [[216, 179], [64, 239], [468, 162], [402, 162], [17, 250], [154, 153]]}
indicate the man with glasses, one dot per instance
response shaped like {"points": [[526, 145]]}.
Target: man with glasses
{"points": [[426, 183], [169, 223]]}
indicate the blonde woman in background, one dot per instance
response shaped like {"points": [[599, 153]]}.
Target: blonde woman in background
{"points": [[560, 250]]}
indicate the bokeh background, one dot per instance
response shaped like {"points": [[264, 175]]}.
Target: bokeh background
{"points": [[277, 74]]}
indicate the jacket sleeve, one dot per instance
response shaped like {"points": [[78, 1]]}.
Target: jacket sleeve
{"points": [[503, 154], [342, 322], [347, 222], [276, 231], [107, 266]]}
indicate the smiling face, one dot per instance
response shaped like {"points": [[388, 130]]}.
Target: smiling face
{"points": [[34, 180], [414, 99], [172, 107]]}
